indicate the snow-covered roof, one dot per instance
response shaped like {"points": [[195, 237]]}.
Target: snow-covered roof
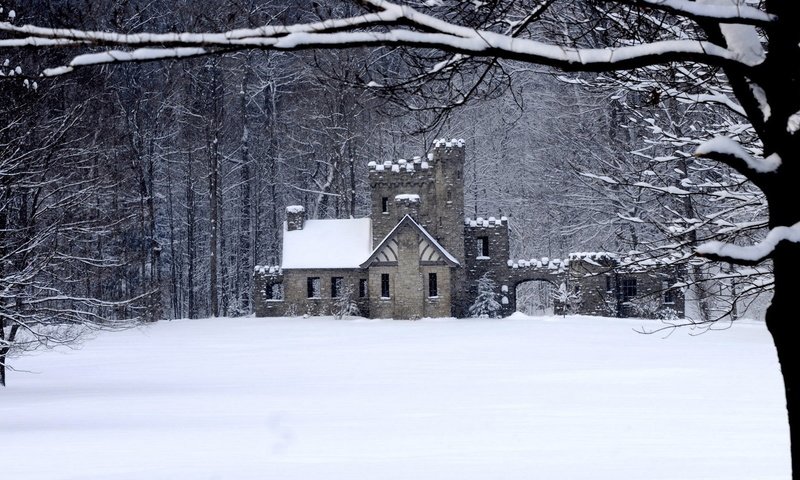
{"points": [[327, 244]]}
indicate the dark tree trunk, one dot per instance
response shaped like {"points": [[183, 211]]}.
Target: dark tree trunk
{"points": [[3, 367], [783, 327]]}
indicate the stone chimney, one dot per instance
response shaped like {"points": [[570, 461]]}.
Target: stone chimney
{"points": [[295, 217], [407, 204]]}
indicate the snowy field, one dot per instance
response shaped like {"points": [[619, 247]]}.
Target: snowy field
{"points": [[285, 399]]}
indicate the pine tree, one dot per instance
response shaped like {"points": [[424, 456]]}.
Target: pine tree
{"points": [[486, 304]]}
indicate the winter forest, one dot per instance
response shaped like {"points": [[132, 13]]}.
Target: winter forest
{"points": [[149, 150], [165, 183]]}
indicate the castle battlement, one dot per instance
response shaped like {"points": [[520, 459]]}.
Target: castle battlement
{"points": [[490, 222], [556, 265], [400, 165]]}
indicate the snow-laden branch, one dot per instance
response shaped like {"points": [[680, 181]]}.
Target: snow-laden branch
{"points": [[115, 56], [731, 13], [400, 25], [729, 152], [752, 254]]}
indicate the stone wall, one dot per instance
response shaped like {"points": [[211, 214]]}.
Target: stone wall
{"points": [[295, 292]]}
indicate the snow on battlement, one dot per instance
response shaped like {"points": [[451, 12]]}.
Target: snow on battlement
{"points": [[490, 222], [407, 197], [295, 209], [445, 143], [400, 165], [593, 258], [555, 265], [268, 270]]}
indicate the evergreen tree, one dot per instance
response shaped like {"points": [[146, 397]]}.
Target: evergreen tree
{"points": [[486, 304]]}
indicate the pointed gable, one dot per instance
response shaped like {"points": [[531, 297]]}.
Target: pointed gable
{"points": [[430, 251], [388, 254]]}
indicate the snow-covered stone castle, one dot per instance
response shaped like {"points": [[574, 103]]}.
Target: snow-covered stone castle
{"points": [[418, 256]]}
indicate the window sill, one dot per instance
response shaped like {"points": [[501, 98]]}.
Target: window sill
{"points": [[483, 257]]}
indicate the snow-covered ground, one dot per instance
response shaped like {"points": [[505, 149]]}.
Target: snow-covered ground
{"points": [[522, 398]]}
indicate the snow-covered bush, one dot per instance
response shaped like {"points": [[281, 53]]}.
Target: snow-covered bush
{"points": [[568, 302], [345, 304], [486, 304]]}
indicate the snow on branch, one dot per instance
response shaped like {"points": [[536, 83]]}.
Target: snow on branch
{"points": [[399, 25], [732, 13], [752, 254], [114, 56], [729, 151]]}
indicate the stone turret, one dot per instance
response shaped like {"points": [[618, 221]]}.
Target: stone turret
{"points": [[448, 164]]}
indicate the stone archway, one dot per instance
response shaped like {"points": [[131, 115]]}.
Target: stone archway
{"points": [[535, 297], [509, 288]]}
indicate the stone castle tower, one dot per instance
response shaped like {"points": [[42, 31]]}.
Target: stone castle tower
{"points": [[431, 190]]}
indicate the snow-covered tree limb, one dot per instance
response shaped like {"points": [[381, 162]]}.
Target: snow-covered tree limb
{"points": [[731, 153], [406, 27], [752, 254]]}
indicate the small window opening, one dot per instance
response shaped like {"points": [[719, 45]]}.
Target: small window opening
{"points": [[275, 291], [362, 288], [628, 288], [385, 204], [337, 285], [433, 287], [385, 285], [669, 293], [483, 247], [314, 287]]}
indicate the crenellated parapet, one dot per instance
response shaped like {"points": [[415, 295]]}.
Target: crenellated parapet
{"points": [[401, 172]]}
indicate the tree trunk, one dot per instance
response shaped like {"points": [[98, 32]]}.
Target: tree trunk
{"points": [[3, 367], [782, 325]]}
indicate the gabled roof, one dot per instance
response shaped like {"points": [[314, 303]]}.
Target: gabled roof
{"points": [[431, 242], [327, 244]]}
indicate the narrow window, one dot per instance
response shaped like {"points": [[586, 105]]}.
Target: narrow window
{"points": [[449, 196], [385, 204], [336, 286], [385, 285], [362, 288], [275, 291], [669, 293], [433, 287], [628, 288], [608, 283], [458, 174], [314, 287], [483, 246]]}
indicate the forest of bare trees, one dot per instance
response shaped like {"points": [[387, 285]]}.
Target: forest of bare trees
{"points": [[148, 190]]}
